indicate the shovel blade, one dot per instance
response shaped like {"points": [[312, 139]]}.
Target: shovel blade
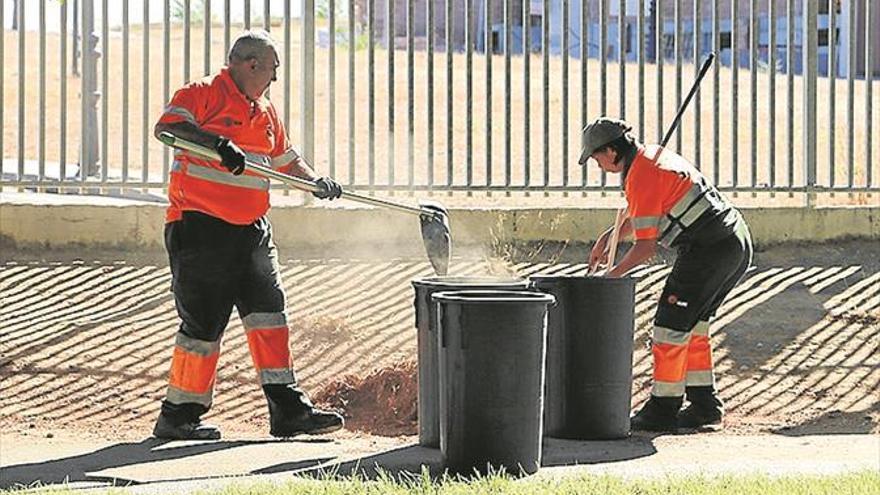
{"points": [[436, 235]]}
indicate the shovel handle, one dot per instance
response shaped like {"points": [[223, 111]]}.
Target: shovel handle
{"points": [[290, 180]]}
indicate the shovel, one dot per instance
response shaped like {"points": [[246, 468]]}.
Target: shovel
{"points": [[433, 217]]}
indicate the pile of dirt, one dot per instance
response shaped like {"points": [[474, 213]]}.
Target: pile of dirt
{"points": [[384, 402]]}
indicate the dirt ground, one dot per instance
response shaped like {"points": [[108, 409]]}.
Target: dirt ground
{"points": [[86, 338]]}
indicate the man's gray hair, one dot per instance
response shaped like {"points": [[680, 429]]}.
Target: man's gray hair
{"points": [[251, 44]]}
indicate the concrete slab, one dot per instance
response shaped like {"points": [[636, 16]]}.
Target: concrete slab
{"points": [[153, 465]]}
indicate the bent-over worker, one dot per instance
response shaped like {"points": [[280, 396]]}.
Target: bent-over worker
{"points": [[670, 203], [220, 245]]}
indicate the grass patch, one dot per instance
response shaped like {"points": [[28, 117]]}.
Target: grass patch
{"points": [[865, 482]]}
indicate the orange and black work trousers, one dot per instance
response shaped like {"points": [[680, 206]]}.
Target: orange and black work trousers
{"points": [[703, 275], [216, 266]]}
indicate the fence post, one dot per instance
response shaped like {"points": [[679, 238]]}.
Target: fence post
{"points": [[810, 71], [89, 132], [308, 81]]}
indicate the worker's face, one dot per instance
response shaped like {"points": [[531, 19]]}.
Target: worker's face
{"points": [[606, 160], [260, 72]]}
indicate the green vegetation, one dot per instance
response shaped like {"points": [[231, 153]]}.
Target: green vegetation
{"points": [[867, 482]]}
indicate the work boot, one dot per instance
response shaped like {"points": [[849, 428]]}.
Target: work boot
{"points": [[292, 413], [658, 414], [168, 428], [705, 409], [311, 421]]}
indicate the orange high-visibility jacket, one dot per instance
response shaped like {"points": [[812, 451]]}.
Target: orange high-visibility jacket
{"points": [[666, 195], [215, 104]]}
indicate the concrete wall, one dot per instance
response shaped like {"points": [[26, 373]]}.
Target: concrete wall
{"points": [[59, 222]]}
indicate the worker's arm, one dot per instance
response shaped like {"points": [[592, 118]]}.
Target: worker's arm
{"points": [[599, 253], [189, 131], [642, 250]]}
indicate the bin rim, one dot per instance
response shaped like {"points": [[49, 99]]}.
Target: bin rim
{"points": [[589, 279], [492, 297], [475, 282]]}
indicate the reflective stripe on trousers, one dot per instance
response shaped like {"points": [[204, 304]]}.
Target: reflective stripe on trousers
{"points": [[268, 340], [699, 360]]}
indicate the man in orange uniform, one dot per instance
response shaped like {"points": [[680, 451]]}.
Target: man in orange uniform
{"points": [[220, 246], [672, 204]]}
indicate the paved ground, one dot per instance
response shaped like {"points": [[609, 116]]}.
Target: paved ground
{"points": [[85, 340], [150, 465]]}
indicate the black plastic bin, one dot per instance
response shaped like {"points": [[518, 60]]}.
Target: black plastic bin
{"points": [[426, 324], [492, 351], [589, 356]]}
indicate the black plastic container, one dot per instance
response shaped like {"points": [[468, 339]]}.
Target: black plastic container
{"points": [[492, 351], [426, 324], [589, 356]]}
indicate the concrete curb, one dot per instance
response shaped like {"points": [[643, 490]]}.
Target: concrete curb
{"points": [[42, 221]]}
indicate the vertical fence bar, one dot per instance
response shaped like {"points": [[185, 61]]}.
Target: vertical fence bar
{"points": [[811, 73], [208, 26], [352, 47], [734, 101], [621, 55], [641, 62], [698, 34], [753, 89], [145, 108], [62, 69], [307, 85], [832, 78], [63, 80], [716, 95], [869, 77], [410, 96], [105, 89], [508, 23], [449, 94], [487, 49], [371, 91], [790, 76], [850, 92], [166, 79], [227, 22], [187, 20], [21, 93], [126, 39], [679, 35], [469, 103], [658, 60], [430, 91], [603, 66], [565, 49], [545, 65], [41, 142], [771, 16], [603, 61], [285, 64], [527, 90], [389, 29], [585, 55], [267, 15], [331, 89], [247, 13]]}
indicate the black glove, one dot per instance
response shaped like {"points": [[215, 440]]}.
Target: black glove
{"points": [[329, 188], [231, 156]]}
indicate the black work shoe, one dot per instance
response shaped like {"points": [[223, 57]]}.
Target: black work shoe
{"points": [[704, 411], [311, 421], [658, 414], [193, 430]]}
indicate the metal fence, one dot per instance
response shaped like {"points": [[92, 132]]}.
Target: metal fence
{"points": [[474, 98]]}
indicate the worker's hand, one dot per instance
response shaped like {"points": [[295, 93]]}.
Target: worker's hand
{"points": [[329, 189], [599, 253], [232, 157]]}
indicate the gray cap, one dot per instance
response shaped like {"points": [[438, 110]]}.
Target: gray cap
{"points": [[599, 133]]}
